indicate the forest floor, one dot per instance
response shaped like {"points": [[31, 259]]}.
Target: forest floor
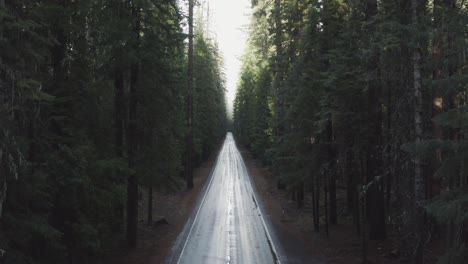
{"points": [[171, 210], [340, 247], [293, 227]]}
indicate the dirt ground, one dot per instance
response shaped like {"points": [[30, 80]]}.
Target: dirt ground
{"points": [[294, 227], [340, 247], [155, 241]]}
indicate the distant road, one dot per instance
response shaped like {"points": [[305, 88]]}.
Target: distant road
{"points": [[228, 226]]}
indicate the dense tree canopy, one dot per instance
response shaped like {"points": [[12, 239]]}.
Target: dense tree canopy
{"points": [[369, 96], [367, 99], [92, 105]]}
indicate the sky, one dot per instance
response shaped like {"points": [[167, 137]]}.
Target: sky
{"points": [[227, 23]]}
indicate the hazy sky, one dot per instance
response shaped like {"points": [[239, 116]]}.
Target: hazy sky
{"points": [[228, 21]]}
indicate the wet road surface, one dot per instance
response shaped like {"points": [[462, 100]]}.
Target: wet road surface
{"points": [[228, 226]]}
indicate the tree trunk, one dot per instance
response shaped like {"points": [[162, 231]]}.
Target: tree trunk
{"points": [[132, 210], [3, 193], [278, 78], [316, 204], [419, 184], [2, 6], [300, 196], [331, 174], [349, 186], [119, 110], [357, 209], [189, 158], [3, 184], [434, 183], [362, 203], [352, 191], [150, 205], [132, 143], [333, 210], [388, 150], [452, 133], [325, 203], [375, 194]]}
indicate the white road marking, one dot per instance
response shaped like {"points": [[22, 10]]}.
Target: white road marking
{"points": [[224, 228]]}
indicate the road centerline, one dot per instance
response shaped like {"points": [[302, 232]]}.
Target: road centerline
{"points": [[224, 229]]}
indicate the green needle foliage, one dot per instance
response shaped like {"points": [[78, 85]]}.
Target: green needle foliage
{"points": [[92, 96], [368, 97], [209, 106]]}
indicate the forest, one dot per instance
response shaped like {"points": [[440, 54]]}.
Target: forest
{"points": [[358, 108], [367, 99], [93, 104]]}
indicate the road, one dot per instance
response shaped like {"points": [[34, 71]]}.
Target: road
{"points": [[228, 226]]}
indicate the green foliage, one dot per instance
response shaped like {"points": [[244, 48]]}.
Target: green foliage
{"points": [[327, 92], [209, 106], [454, 255], [252, 105], [450, 207], [64, 156]]}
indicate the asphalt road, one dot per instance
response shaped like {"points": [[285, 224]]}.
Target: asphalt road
{"points": [[228, 226]]}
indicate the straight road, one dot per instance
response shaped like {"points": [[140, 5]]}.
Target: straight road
{"points": [[228, 226]]}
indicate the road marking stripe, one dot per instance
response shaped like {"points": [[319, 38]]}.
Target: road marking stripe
{"points": [[267, 233], [201, 205]]}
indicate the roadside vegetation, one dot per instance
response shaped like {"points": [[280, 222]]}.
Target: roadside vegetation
{"points": [[92, 108], [367, 99]]}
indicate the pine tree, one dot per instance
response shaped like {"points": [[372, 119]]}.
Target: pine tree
{"points": [[92, 103]]}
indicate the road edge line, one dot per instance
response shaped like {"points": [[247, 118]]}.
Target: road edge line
{"points": [[265, 227], [200, 205]]}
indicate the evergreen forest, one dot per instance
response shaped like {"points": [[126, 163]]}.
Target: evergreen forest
{"points": [[92, 105], [367, 99], [357, 108]]}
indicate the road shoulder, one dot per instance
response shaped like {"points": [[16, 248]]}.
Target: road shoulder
{"points": [[171, 211], [291, 245]]}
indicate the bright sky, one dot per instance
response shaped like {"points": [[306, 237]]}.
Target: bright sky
{"points": [[228, 22]]}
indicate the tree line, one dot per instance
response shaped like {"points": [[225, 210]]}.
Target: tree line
{"points": [[93, 103], [369, 97]]}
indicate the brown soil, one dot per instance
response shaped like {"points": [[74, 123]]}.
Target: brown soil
{"points": [[294, 227], [342, 246], [155, 241]]}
